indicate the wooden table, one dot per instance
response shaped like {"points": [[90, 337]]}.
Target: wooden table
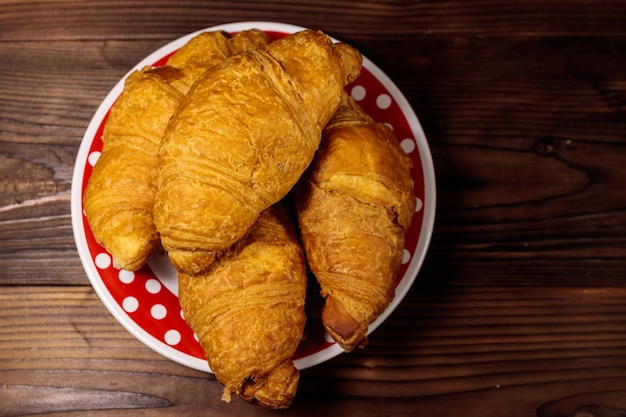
{"points": [[520, 307]]}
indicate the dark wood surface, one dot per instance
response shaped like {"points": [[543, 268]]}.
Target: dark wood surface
{"points": [[520, 307]]}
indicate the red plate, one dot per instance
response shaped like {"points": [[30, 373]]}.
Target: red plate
{"points": [[146, 302]]}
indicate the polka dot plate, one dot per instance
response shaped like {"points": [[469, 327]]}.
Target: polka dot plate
{"points": [[145, 302]]}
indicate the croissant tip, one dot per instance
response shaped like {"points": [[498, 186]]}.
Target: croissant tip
{"points": [[275, 390], [342, 327], [352, 61]]}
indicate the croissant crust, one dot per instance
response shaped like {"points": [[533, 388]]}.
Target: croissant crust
{"points": [[354, 208], [120, 195], [241, 139], [248, 311]]}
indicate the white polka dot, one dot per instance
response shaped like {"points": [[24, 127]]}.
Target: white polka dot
{"points": [[126, 277], [389, 125], [328, 337], [93, 158], [153, 286], [196, 338], [408, 145], [182, 314], [172, 337], [103, 260], [383, 101], [418, 204], [406, 256], [158, 311], [130, 304], [358, 92]]}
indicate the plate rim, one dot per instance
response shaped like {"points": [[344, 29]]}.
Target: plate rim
{"points": [[411, 273]]}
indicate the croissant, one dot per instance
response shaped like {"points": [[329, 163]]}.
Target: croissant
{"points": [[354, 206], [248, 311], [240, 140], [119, 197]]}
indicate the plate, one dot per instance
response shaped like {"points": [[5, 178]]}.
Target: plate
{"points": [[145, 302]]}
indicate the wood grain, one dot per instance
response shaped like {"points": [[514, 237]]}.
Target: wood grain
{"points": [[451, 348], [123, 20], [520, 307]]}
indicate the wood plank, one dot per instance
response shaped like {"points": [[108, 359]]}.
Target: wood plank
{"points": [[124, 20], [519, 308], [451, 349]]}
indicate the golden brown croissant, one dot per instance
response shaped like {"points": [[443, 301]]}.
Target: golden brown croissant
{"points": [[248, 311], [354, 206], [241, 139], [120, 194]]}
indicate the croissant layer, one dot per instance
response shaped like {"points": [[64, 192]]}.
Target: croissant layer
{"points": [[241, 139], [354, 208], [248, 311], [120, 195]]}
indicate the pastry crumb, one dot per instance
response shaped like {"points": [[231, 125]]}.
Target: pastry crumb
{"points": [[226, 395]]}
